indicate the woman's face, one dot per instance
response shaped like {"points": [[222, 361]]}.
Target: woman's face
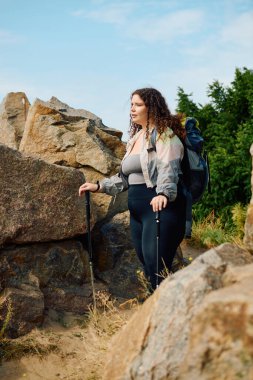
{"points": [[139, 112]]}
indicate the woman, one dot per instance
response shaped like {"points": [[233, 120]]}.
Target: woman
{"points": [[151, 174]]}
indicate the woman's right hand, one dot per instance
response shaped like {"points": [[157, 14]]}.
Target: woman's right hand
{"points": [[93, 187]]}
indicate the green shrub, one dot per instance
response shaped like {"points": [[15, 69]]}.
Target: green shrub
{"points": [[227, 127]]}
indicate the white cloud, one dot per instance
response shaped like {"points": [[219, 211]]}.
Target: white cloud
{"points": [[166, 28], [115, 14], [240, 31], [228, 47], [146, 27]]}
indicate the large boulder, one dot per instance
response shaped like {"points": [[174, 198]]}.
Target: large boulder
{"points": [[38, 201], [155, 343], [13, 113], [221, 340], [62, 135], [248, 237]]}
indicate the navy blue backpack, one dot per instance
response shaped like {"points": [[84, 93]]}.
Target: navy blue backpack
{"points": [[195, 168]]}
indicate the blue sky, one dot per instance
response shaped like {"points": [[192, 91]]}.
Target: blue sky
{"points": [[92, 54]]}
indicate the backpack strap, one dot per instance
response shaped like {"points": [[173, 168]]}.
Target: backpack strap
{"points": [[188, 221], [153, 139]]}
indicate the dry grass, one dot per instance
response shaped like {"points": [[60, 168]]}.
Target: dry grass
{"points": [[70, 347], [179, 262], [145, 285], [7, 320], [99, 327], [17, 348], [106, 319]]}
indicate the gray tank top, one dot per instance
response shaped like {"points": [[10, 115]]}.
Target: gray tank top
{"points": [[131, 167]]}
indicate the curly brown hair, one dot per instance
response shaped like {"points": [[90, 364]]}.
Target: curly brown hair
{"points": [[159, 112]]}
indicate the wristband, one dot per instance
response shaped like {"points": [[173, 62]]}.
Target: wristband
{"points": [[163, 195], [98, 186]]}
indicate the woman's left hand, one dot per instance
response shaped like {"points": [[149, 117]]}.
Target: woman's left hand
{"points": [[159, 202]]}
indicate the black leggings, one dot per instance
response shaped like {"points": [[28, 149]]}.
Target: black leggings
{"points": [[144, 230]]}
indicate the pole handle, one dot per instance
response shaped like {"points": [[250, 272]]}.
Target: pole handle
{"points": [[87, 205]]}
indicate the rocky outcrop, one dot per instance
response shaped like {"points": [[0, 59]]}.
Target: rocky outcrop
{"points": [[248, 237], [42, 276], [40, 269], [62, 135], [38, 201], [164, 333], [13, 113], [40, 208]]}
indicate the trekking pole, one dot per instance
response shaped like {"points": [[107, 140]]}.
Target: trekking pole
{"points": [[87, 204], [157, 218]]}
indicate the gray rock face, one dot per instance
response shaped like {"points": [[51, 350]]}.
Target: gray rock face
{"points": [[13, 113], [38, 201], [156, 340]]}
